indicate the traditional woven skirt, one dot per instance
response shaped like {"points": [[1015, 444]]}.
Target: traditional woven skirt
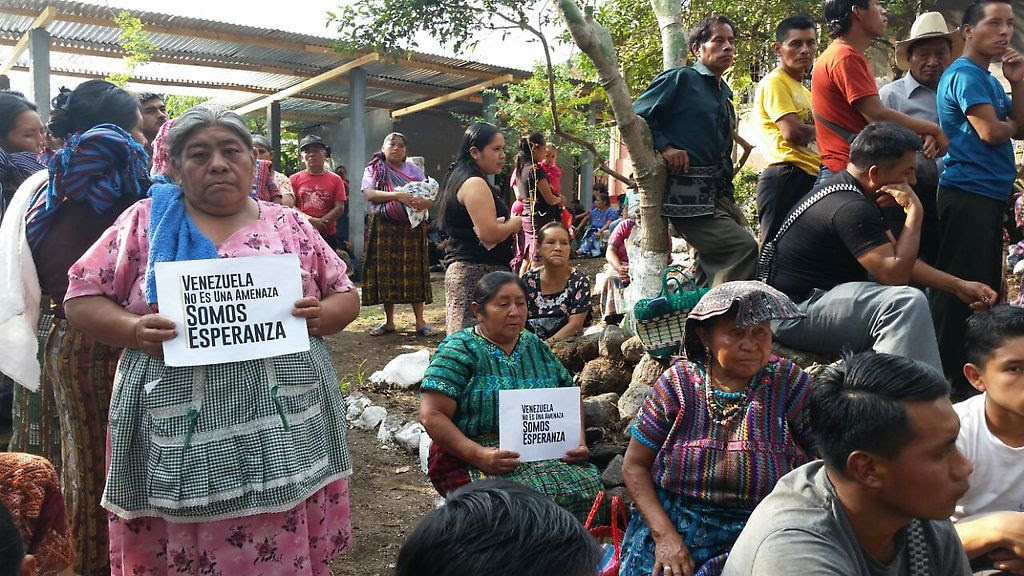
{"points": [[35, 416], [82, 371], [396, 264], [709, 532], [571, 486], [29, 489], [459, 280]]}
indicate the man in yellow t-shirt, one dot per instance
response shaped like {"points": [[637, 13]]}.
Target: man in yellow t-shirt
{"points": [[783, 108]]}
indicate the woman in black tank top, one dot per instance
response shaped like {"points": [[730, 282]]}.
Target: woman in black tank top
{"points": [[476, 219]]}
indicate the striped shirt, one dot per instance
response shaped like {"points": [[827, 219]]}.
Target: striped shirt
{"points": [[734, 464]]}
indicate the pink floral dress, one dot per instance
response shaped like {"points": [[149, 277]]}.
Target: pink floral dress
{"points": [[255, 496]]}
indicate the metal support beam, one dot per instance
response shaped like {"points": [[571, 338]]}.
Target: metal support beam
{"points": [[42, 21], [39, 63], [357, 205], [306, 84], [274, 132], [505, 79]]}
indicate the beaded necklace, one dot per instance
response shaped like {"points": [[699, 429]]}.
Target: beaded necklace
{"points": [[723, 405]]}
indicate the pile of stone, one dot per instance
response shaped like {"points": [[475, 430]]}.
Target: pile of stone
{"points": [[393, 430], [614, 374]]}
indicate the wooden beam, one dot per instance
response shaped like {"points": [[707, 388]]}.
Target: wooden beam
{"points": [[193, 84], [42, 21], [413, 62], [453, 96], [393, 86], [326, 76], [301, 117]]}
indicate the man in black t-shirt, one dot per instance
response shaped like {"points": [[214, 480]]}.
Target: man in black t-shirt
{"points": [[848, 272]]}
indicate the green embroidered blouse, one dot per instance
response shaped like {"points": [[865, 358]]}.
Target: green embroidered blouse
{"points": [[471, 371]]}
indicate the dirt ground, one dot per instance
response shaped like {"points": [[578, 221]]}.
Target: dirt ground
{"points": [[389, 494]]}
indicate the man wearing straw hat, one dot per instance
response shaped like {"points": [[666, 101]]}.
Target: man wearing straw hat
{"points": [[924, 56]]}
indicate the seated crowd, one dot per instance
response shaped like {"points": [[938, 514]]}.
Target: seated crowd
{"points": [[881, 245]]}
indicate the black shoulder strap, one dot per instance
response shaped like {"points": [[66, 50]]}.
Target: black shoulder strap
{"points": [[764, 261], [835, 128]]}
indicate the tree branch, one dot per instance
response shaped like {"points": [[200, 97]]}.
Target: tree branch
{"points": [[553, 103], [648, 164]]}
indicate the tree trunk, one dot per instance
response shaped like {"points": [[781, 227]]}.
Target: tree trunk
{"points": [[649, 168], [673, 37]]}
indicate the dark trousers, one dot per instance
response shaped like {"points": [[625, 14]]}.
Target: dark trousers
{"points": [[779, 188], [971, 248], [725, 249]]}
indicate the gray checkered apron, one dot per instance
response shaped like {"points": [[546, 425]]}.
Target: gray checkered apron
{"points": [[203, 443]]}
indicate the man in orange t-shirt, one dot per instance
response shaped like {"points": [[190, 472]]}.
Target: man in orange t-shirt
{"points": [[844, 96]]}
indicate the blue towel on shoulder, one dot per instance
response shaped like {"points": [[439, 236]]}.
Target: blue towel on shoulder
{"points": [[173, 236]]}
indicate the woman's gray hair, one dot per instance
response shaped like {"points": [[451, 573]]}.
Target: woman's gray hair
{"points": [[202, 116]]}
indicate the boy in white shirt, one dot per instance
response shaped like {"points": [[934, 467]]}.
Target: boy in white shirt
{"points": [[990, 516]]}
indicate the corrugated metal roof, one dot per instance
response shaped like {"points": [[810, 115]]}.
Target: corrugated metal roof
{"points": [[243, 61]]}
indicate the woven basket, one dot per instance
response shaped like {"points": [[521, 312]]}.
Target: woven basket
{"points": [[660, 321]]}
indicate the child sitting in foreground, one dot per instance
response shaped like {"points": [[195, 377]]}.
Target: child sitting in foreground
{"points": [[990, 516]]}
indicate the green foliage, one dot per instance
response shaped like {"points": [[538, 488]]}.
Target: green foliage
{"points": [[634, 30], [289, 142], [524, 107], [135, 41], [177, 105], [356, 382], [745, 184], [391, 25]]}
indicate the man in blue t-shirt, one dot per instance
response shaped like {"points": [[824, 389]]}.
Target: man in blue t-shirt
{"points": [[979, 120]]}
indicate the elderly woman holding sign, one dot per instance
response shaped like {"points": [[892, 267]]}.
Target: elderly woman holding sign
{"points": [[208, 464], [459, 407]]}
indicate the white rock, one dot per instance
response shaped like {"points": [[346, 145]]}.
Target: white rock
{"points": [[403, 371], [371, 417], [408, 437], [390, 425], [425, 442], [355, 403]]}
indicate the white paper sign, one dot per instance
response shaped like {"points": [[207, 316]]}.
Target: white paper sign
{"points": [[231, 309], [539, 424]]}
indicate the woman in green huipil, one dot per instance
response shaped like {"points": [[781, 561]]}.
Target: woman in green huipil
{"points": [[459, 407]]}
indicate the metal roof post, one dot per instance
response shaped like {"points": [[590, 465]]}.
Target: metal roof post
{"points": [[274, 131], [39, 63], [358, 205]]}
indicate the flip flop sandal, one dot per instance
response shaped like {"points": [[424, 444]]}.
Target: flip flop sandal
{"points": [[426, 330], [381, 330]]}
